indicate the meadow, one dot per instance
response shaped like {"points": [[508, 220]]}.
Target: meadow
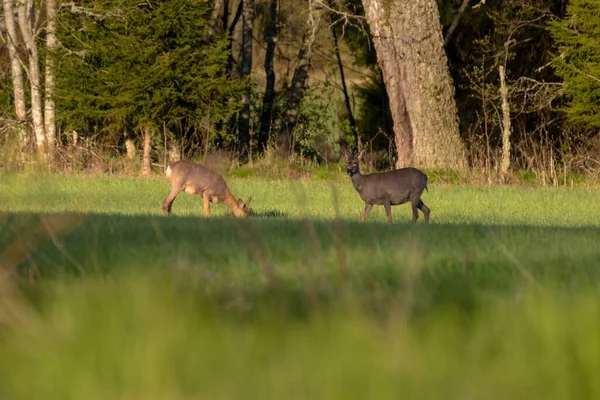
{"points": [[496, 298]]}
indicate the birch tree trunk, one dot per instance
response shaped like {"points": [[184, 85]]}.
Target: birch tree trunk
{"points": [[245, 70], [49, 107], [16, 70], [505, 163], [130, 149], [298, 87], [409, 45], [266, 116], [26, 13], [146, 167], [217, 23]]}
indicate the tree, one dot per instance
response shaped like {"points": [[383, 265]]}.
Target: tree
{"points": [[27, 17], [49, 107], [266, 116], [137, 65], [408, 40], [217, 22], [578, 63], [245, 70], [296, 91], [336, 48], [16, 69]]}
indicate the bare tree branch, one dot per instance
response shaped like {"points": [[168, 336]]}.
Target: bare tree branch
{"points": [[89, 12], [482, 2], [457, 17]]}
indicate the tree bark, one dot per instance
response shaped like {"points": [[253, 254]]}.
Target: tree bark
{"points": [[26, 13], [16, 70], [266, 116], [245, 70], [296, 91], [174, 152], [130, 149], [49, 108], [408, 41], [146, 153], [217, 23], [505, 163]]}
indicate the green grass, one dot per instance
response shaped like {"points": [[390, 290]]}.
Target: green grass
{"points": [[496, 298], [314, 199]]}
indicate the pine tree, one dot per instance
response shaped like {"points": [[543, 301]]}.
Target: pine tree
{"points": [[129, 65], [578, 62]]}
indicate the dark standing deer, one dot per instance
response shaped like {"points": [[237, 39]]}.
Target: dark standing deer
{"points": [[192, 178], [388, 188]]}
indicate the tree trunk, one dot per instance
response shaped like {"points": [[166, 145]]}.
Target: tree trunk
{"points": [[216, 24], [245, 70], [298, 87], [49, 107], [408, 41], [174, 153], [336, 48], [146, 154], [234, 32], [26, 13], [16, 70], [505, 163], [266, 116], [130, 149]]}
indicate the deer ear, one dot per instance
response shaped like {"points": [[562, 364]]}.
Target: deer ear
{"points": [[240, 203], [248, 202], [361, 154]]}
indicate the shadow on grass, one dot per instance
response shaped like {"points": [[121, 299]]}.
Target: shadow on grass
{"points": [[296, 263]]}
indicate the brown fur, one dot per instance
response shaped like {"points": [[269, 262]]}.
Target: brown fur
{"points": [[192, 178]]}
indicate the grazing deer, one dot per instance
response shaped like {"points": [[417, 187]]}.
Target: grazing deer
{"points": [[192, 178], [388, 188]]}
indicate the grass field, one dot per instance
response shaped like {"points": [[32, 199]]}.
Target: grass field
{"points": [[496, 298]]}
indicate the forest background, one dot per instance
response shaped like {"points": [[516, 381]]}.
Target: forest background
{"points": [[503, 89]]}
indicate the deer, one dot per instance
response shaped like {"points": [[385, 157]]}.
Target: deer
{"points": [[388, 188], [192, 178]]}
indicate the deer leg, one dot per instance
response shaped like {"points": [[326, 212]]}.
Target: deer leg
{"points": [[421, 206], [388, 211], [415, 210], [206, 199], [168, 202], [367, 211]]}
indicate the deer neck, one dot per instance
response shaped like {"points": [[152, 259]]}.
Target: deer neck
{"points": [[357, 179], [232, 203]]}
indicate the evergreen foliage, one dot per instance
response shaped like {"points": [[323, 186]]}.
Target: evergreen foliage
{"points": [[124, 64], [578, 62]]}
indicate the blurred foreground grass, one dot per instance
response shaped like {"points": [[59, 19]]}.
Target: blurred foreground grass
{"points": [[496, 299], [151, 337]]}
